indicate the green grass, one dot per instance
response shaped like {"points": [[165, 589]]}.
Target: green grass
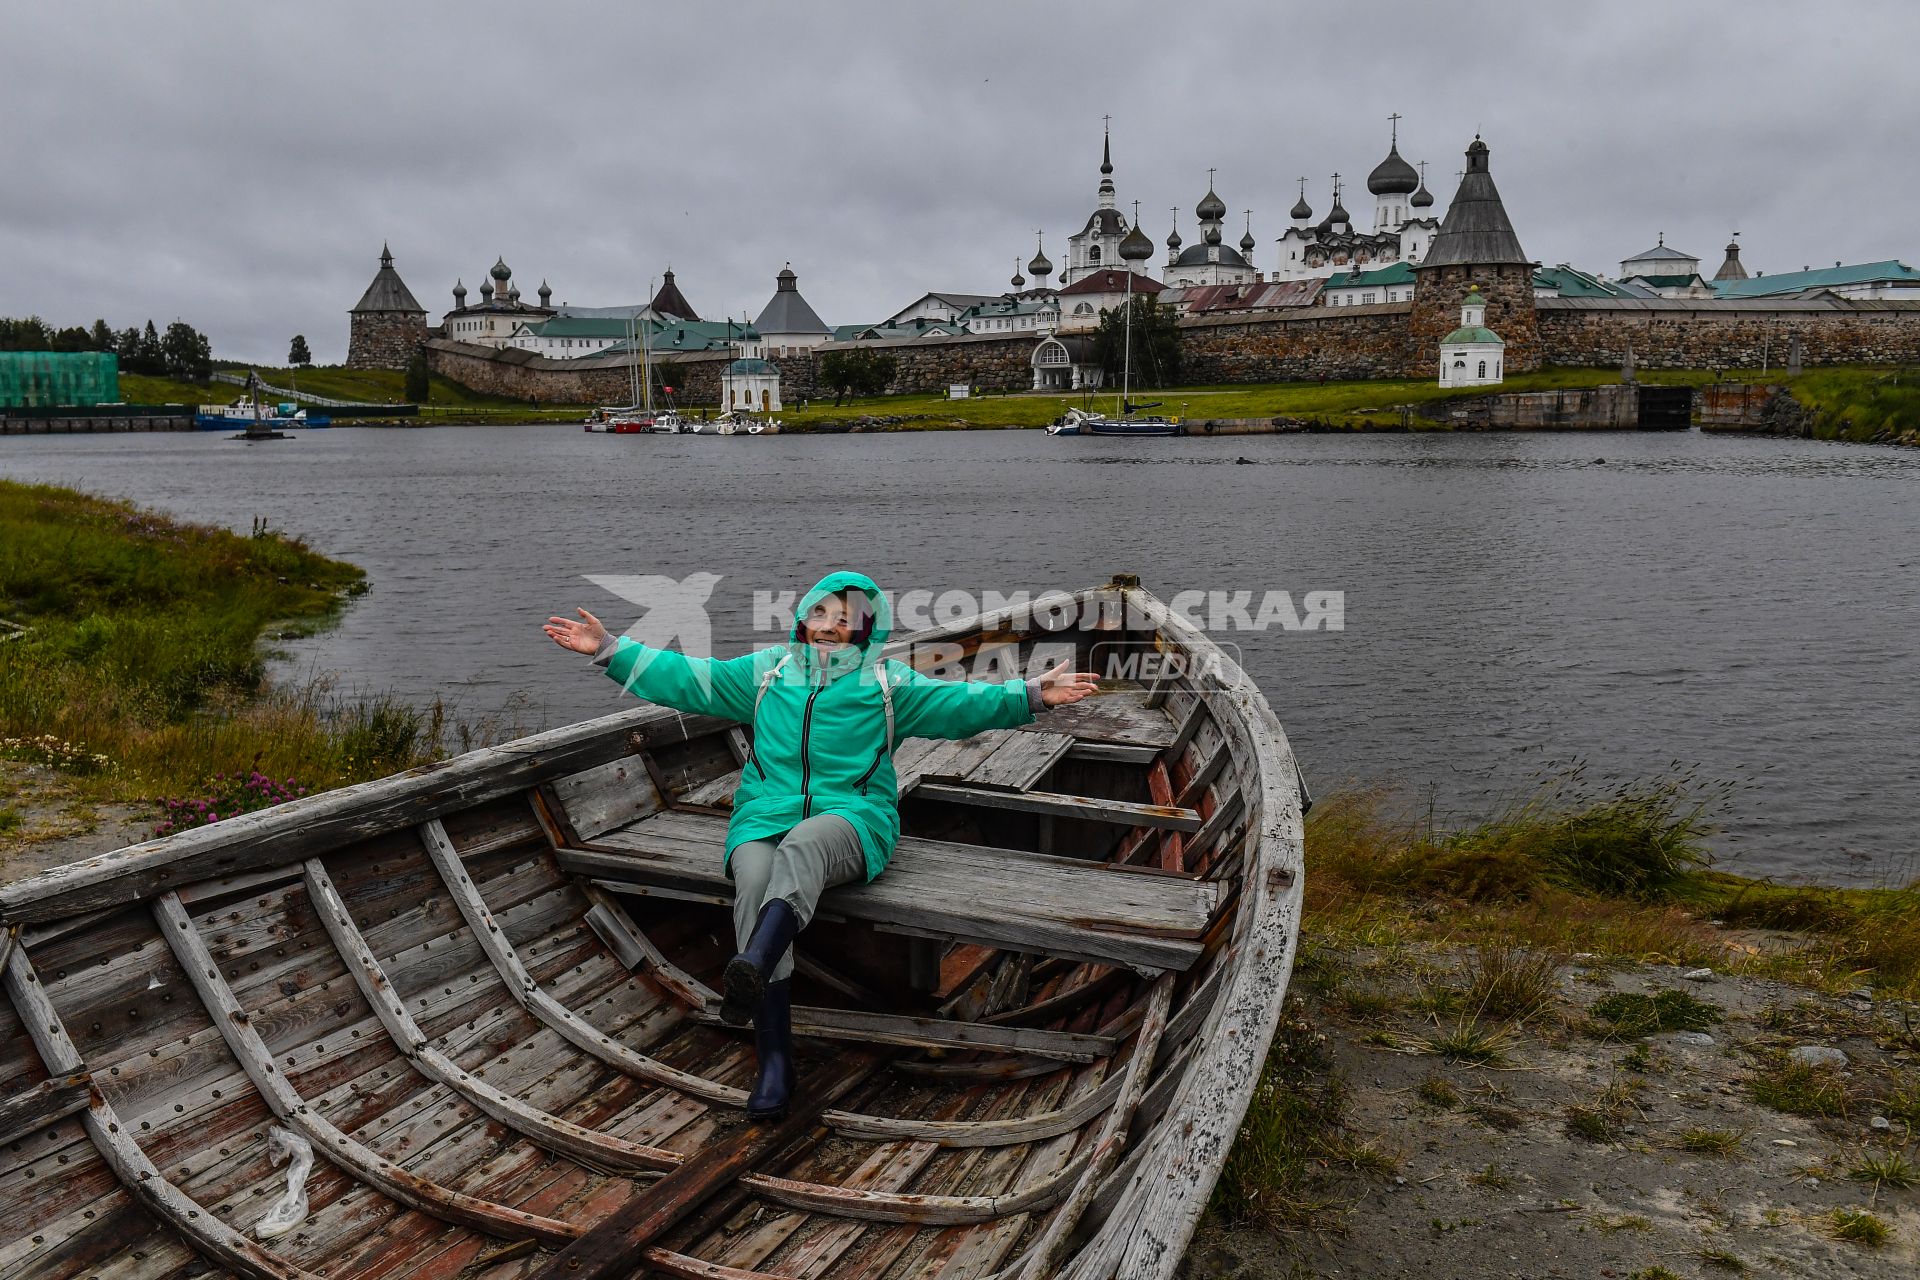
{"points": [[1885, 1169], [10, 820], [1631, 1014], [1859, 1227], [140, 672], [1797, 1088], [1713, 1142], [1436, 1092], [1277, 1174], [1860, 403], [447, 400]]}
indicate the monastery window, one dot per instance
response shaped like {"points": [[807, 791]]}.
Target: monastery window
{"points": [[1093, 254], [1366, 299], [1483, 368]]}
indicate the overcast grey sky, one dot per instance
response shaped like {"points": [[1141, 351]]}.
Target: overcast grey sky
{"points": [[238, 165]]}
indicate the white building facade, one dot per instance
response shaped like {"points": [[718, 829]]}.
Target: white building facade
{"points": [[1472, 355], [1402, 226]]}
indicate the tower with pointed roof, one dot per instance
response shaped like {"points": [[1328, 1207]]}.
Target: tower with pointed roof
{"points": [[1097, 246], [787, 325], [1476, 248], [669, 301], [1731, 268], [387, 325]]}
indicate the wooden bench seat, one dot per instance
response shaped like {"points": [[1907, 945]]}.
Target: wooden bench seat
{"points": [[937, 888]]}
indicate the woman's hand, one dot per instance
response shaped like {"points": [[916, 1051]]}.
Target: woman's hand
{"points": [[581, 637], [1062, 685]]}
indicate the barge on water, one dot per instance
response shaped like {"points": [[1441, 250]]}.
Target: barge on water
{"points": [[479, 997]]}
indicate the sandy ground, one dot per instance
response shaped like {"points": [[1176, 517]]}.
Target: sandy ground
{"points": [[54, 827], [1494, 1184]]}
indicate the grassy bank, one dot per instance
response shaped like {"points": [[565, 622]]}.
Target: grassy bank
{"points": [[1860, 404], [447, 401], [1475, 1012], [134, 667]]}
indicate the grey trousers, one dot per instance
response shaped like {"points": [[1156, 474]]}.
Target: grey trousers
{"points": [[823, 850]]}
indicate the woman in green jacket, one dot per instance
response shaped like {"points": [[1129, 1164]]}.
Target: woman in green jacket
{"points": [[817, 803]]}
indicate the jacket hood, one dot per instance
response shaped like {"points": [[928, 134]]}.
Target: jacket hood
{"points": [[840, 581]]}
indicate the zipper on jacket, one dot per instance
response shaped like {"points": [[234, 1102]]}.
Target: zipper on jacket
{"points": [[868, 775], [806, 726]]}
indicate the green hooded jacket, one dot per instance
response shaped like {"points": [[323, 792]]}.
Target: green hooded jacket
{"points": [[820, 730]]}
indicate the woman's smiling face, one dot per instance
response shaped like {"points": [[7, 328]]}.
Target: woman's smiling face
{"points": [[831, 622]]}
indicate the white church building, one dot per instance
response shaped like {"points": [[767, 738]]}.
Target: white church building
{"points": [[1401, 228], [1472, 355]]}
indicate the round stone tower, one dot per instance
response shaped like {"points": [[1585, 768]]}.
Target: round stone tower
{"points": [[386, 326], [1475, 249]]}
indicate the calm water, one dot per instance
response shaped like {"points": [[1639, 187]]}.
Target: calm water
{"points": [[1512, 603]]}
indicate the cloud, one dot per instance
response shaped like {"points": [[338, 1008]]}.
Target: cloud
{"points": [[239, 165]]}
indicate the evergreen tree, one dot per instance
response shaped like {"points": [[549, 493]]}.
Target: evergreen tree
{"points": [[73, 338], [419, 388], [856, 372], [30, 334], [149, 358], [297, 355], [102, 336], [126, 345]]}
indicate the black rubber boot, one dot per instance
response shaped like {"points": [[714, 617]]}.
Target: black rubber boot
{"points": [[747, 973], [773, 1046]]}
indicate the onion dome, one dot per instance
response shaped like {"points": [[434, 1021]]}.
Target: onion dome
{"points": [[1338, 214], [1301, 210], [1423, 198], [486, 290], [1040, 267], [500, 270], [1247, 242], [1135, 247], [1212, 233], [1392, 176], [1019, 281], [459, 293], [513, 293], [1173, 240], [546, 293], [1211, 208]]}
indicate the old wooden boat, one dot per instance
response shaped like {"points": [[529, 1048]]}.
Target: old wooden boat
{"points": [[481, 992]]}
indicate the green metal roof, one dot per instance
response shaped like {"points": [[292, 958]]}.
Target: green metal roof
{"points": [[749, 364], [580, 327], [1474, 334], [1398, 273], [1571, 282], [1891, 270]]}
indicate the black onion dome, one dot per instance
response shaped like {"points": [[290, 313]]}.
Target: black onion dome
{"points": [[1135, 247], [1423, 198], [1392, 176], [500, 269], [1301, 210], [1173, 238], [1247, 242], [1211, 208], [1040, 266]]}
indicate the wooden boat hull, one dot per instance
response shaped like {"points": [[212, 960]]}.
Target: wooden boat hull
{"points": [[482, 992]]}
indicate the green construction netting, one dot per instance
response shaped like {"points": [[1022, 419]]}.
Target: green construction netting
{"points": [[48, 379]]}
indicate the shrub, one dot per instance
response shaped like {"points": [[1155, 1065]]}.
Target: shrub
{"points": [[1632, 1014]]}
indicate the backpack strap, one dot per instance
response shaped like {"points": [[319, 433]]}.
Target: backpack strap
{"points": [[766, 682]]}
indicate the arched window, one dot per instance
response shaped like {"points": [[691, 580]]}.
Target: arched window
{"points": [[1084, 309], [1093, 254], [1483, 369]]}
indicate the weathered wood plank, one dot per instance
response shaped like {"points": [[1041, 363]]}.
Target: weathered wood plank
{"points": [[611, 923], [979, 1133], [1118, 713], [160, 1197], [539, 1126], [43, 1104], [550, 1012], [1113, 752], [320, 823], [939, 1033], [607, 1251], [922, 1210], [353, 1159], [1046, 1252], [1059, 805], [606, 796], [1020, 761]]}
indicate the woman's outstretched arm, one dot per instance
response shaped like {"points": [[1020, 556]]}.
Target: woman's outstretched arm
{"points": [[700, 686], [933, 708]]}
